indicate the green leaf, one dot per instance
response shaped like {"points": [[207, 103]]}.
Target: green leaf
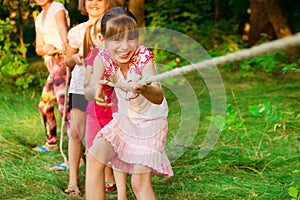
{"points": [[254, 110], [293, 192]]}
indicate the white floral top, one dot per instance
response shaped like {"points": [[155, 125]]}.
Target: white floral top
{"points": [[75, 37], [132, 105]]}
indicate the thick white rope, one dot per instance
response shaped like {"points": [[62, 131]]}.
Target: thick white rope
{"points": [[280, 44], [64, 118]]}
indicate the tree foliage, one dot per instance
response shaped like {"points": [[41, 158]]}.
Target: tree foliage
{"points": [[14, 66], [220, 26]]}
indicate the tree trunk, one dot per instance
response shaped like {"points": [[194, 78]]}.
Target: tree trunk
{"points": [[266, 17], [217, 11], [277, 19], [137, 8], [259, 22], [21, 29]]}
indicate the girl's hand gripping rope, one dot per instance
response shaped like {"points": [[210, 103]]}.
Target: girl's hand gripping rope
{"points": [[136, 87], [100, 97]]}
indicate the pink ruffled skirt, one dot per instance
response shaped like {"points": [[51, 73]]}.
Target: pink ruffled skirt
{"points": [[138, 143]]}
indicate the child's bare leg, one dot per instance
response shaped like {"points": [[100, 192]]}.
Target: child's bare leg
{"points": [[94, 186], [75, 143], [120, 178], [141, 183], [109, 175], [97, 157]]}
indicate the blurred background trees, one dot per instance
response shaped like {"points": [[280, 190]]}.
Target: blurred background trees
{"points": [[220, 26]]}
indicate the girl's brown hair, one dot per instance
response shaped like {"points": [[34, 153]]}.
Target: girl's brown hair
{"points": [[87, 40], [81, 7], [118, 20]]}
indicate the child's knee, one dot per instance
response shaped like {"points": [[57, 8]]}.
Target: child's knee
{"points": [[137, 182], [77, 130], [74, 134]]}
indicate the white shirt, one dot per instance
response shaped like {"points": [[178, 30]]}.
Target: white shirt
{"points": [[49, 27]]}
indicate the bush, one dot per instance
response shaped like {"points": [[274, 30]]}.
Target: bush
{"points": [[14, 67]]}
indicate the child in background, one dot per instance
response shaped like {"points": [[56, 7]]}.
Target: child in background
{"points": [[51, 28], [77, 102], [134, 140], [98, 117]]}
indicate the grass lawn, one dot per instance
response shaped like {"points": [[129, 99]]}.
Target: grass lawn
{"points": [[257, 155]]}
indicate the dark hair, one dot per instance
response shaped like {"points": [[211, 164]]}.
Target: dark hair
{"points": [[117, 20]]}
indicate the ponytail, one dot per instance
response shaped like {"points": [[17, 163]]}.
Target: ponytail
{"points": [[87, 41]]}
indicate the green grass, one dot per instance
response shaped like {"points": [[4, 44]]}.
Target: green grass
{"points": [[267, 168]]}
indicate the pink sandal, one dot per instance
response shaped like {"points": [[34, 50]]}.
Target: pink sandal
{"points": [[73, 191], [110, 187]]}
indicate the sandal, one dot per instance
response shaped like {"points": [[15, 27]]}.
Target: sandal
{"points": [[47, 148], [64, 166], [110, 187], [73, 191], [59, 167]]}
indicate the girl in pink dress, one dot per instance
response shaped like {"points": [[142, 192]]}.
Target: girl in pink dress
{"points": [[96, 116], [134, 140]]}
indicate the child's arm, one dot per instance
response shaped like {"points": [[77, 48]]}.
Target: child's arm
{"points": [[73, 57], [95, 76], [152, 92], [88, 73], [61, 22]]}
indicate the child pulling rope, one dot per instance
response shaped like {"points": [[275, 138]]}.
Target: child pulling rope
{"points": [[245, 54]]}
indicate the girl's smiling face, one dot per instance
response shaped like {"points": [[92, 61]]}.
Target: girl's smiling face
{"points": [[122, 47], [95, 8]]}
